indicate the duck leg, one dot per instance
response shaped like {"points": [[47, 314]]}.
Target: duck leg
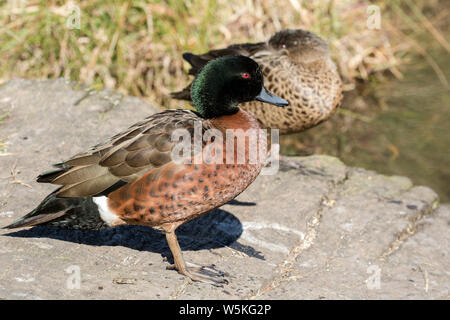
{"points": [[194, 272]]}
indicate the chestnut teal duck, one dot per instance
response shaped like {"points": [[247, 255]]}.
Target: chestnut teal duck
{"points": [[132, 178], [297, 67]]}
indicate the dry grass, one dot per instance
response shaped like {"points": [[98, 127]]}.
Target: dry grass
{"points": [[135, 47]]}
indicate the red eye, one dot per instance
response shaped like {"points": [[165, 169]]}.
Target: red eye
{"points": [[246, 75]]}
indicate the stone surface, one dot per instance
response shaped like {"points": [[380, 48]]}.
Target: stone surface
{"points": [[315, 230]]}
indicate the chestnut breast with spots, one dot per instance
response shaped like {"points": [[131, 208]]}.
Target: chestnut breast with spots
{"points": [[175, 193]]}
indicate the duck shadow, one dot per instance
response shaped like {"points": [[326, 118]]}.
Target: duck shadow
{"points": [[216, 229], [235, 202]]}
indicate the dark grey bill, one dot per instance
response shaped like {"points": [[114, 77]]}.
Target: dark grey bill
{"points": [[266, 96]]}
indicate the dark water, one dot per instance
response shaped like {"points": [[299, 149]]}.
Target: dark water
{"points": [[405, 131]]}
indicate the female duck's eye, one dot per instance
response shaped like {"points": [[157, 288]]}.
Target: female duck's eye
{"points": [[246, 75], [282, 46]]}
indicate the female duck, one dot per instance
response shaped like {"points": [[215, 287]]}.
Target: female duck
{"points": [[133, 179], [297, 67]]}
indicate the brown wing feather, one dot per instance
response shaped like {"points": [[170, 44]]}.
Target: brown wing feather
{"points": [[244, 49], [123, 158]]}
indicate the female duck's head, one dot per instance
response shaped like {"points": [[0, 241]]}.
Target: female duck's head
{"points": [[301, 45], [225, 82]]}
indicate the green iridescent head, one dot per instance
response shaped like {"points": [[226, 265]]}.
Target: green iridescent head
{"points": [[225, 82]]}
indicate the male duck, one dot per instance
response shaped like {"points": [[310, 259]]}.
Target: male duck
{"points": [[297, 67], [133, 179]]}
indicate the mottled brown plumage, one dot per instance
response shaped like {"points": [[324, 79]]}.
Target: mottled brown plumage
{"points": [[297, 67]]}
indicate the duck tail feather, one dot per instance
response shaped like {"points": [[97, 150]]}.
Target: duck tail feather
{"points": [[49, 209], [50, 175], [197, 62], [184, 94]]}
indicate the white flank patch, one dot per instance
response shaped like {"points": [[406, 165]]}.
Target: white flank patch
{"points": [[107, 215]]}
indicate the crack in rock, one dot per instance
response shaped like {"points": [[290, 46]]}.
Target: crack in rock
{"points": [[409, 231], [286, 268]]}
